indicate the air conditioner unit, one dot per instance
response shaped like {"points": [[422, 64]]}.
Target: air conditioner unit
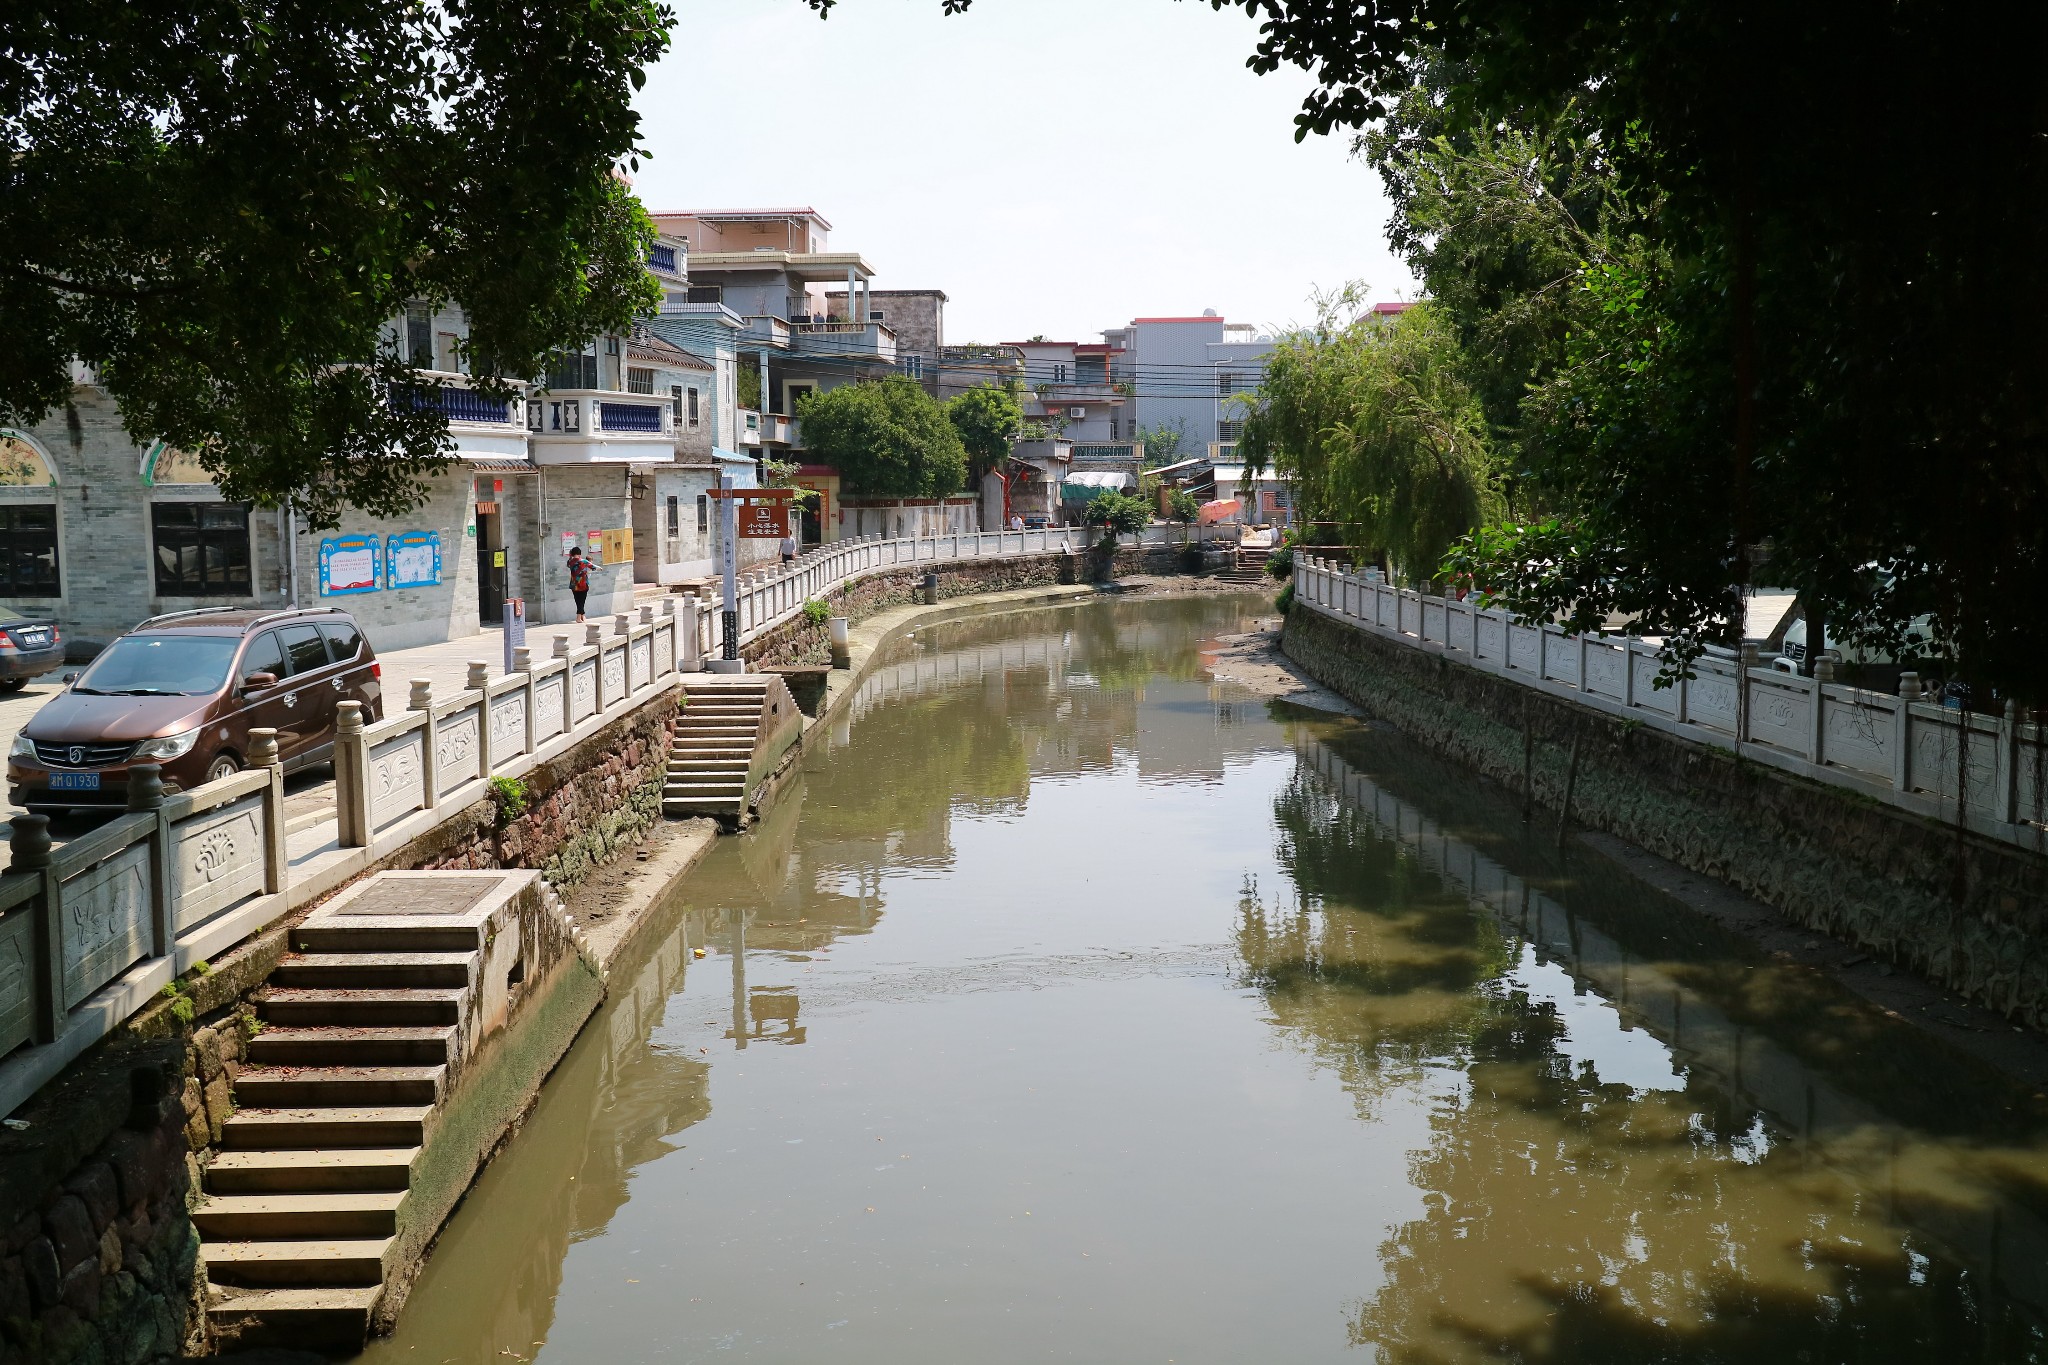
{"points": [[1077, 413]]}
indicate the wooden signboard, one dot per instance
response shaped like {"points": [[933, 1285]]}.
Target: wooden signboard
{"points": [[618, 545], [764, 520]]}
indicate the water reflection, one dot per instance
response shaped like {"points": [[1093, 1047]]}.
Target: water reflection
{"points": [[1622, 1165], [1074, 1005]]}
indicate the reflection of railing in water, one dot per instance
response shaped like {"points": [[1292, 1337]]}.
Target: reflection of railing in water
{"points": [[1996, 1236], [950, 667]]}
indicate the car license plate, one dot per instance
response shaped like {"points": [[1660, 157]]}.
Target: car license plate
{"points": [[74, 782], [34, 639]]}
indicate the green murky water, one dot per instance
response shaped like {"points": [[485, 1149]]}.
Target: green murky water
{"points": [[1075, 1007]]}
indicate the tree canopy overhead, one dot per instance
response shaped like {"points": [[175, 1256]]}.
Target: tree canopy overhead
{"points": [[1825, 346], [219, 207]]}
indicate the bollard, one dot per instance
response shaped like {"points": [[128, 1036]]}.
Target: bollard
{"points": [[479, 676], [422, 695], [931, 589], [842, 648]]}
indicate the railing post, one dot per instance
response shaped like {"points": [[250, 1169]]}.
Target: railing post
{"points": [[146, 796], [29, 851], [2005, 796], [689, 648], [522, 664], [430, 746], [351, 778], [1902, 733], [479, 681], [263, 753]]}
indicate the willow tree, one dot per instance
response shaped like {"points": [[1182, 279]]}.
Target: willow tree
{"points": [[1373, 421]]}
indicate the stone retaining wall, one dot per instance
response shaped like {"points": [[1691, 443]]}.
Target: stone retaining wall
{"points": [[1965, 911], [583, 807]]}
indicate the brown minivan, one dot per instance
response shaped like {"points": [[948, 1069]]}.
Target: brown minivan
{"points": [[183, 691]]}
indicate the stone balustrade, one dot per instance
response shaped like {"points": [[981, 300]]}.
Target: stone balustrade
{"points": [[1923, 758]]}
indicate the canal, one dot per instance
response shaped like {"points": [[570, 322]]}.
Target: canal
{"points": [[1077, 1005]]}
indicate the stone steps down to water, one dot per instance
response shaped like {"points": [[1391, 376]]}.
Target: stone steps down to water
{"points": [[717, 737], [307, 1201]]}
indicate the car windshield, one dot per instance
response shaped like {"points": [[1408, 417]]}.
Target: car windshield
{"points": [[161, 665]]}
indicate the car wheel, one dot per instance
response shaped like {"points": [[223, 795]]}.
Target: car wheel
{"points": [[12, 684], [227, 765]]}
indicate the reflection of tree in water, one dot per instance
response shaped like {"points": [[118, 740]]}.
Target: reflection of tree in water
{"points": [[1569, 1219]]}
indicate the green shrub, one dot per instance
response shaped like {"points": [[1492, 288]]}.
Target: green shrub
{"points": [[1285, 602], [816, 612], [513, 799], [1280, 563]]}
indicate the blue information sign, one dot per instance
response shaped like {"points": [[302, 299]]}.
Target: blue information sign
{"points": [[348, 564], [412, 559]]}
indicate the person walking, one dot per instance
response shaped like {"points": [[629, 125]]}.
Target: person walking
{"points": [[788, 548], [579, 578]]}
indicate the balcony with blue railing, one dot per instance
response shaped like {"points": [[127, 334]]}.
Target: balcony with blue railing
{"points": [[629, 416], [459, 405], [663, 257], [599, 426]]}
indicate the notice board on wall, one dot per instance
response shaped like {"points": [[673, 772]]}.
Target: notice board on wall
{"points": [[617, 545], [348, 564], [412, 559]]}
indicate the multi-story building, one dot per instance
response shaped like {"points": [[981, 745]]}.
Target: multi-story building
{"points": [[1184, 372], [607, 448], [760, 285], [1068, 388]]}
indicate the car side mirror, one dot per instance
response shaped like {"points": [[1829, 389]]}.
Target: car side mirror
{"points": [[256, 682], [71, 677]]}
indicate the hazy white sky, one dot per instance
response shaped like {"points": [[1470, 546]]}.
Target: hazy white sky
{"points": [[1056, 166]]}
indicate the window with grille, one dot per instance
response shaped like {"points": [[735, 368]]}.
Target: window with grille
{"points": [[675, 515], [703, 514], [202, 549], [706, 293], [1228, 431], [639, 380], [1059, 374], [28, 550], [693, 407]]}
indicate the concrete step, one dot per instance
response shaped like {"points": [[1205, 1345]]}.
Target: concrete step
{"points": [[298, 1217], [374, 969], [422, 1046], [685, 791], [397, 937], [684, 754], [399, 1125], [284, 1170], [313, 1087], [678, 810], [362, 1008], [327, 1262], [330, 1319]]}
